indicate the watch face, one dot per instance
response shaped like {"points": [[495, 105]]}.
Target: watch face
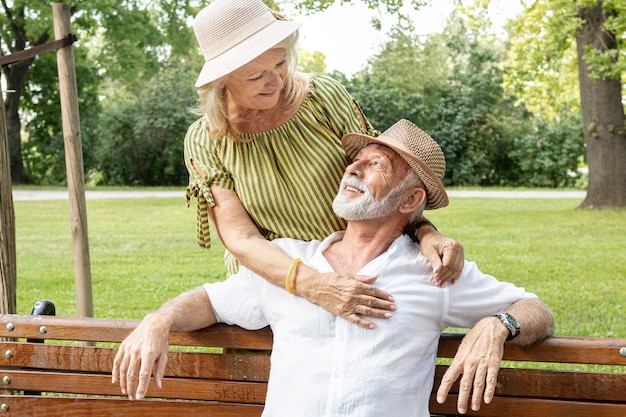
{"points": [[512, 320]]}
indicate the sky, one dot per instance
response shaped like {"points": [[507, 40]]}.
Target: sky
{"points": [[344, 33]]}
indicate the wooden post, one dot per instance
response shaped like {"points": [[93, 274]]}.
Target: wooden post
{"points": [[8, 270], [73, 161]]}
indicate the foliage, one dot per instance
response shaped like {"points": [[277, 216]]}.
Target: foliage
{"points": [[451, 86], [547, 157], [120, 42], [311, 61], [140, 142], [542, 68], [486, 118], [43, 149], [542, 65]]}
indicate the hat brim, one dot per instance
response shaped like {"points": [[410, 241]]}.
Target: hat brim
{"points": [[246, 50], [436, 193]]}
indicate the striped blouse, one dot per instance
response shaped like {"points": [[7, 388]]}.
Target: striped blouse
{"points": [[287, 177]]}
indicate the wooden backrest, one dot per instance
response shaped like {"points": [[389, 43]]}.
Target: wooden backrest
{"points": [[561, 376], [202, 379], [77, 358]]}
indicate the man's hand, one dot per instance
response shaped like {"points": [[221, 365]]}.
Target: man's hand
{"points": [[142, 354], [445, 255], [478, 360]]}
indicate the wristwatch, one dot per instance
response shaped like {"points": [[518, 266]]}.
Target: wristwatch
{"points": [[510, 323]]}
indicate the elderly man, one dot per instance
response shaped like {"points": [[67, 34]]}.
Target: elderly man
{"points": [[323, 365]]}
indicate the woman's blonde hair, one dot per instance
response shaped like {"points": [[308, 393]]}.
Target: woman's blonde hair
{"points": [[213, 106]]}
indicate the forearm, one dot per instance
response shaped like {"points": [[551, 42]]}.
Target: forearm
{"points": [[242, 238], [535, 319], [187, 312]]}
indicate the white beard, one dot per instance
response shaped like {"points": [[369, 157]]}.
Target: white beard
{"points": [[366, 207]]}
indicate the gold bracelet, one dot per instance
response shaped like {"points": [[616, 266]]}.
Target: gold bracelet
{"points": [[292, 289]]}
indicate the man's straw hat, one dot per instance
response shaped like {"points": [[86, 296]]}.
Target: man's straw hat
{"points": [[232, 33], [417, 148]]}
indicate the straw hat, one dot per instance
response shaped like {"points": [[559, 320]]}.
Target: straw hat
{"points": [[417, 148], [232, 33]]}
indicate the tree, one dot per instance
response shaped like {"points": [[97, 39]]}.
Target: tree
{"points": [[602, 110], [124, 41], [543, 39]]}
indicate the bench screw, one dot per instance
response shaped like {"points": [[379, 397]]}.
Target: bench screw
{"points": [[43, 330], [10, 327], [6, 380], [4, 408], [8, 354], [622, 351]]}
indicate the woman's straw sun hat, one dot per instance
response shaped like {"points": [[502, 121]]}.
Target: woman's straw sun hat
{"points": [[232, 33]]}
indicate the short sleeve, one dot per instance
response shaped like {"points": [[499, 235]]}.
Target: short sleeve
{"points": [[247, 290], [205, 169], [477, 295]]}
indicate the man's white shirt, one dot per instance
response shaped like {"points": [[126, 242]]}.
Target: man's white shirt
{"points": [[323, 365]]}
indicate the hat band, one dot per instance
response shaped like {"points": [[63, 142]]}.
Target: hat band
{"points": [[239, 35]]}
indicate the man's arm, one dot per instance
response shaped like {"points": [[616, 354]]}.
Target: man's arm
{"points": [[144, 352], [478, 358]]}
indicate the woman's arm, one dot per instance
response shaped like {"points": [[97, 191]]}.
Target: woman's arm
{"points": [[345, 295]]}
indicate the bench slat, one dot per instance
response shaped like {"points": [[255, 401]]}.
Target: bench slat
{"points": [[30, 406], [553, 384], [90, 329], [100, 384], [98, 359], [530, 407], [562, 349]]}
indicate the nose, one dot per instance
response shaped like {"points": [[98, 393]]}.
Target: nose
{"points": [[274, 79], [355, 168]]}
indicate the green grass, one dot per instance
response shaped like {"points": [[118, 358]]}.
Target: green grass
{"points": [[143, 252], [575, 260]]}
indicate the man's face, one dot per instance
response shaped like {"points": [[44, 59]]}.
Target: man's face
{"points": [[369, 188]]}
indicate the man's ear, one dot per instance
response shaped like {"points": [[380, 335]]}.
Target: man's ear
{"points": [[412, 199]]}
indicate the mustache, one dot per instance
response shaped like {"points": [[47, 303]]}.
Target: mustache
{"points": [[354, 182]]}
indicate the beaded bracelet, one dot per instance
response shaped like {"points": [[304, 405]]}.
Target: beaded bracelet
{"points": [[292, 289]]}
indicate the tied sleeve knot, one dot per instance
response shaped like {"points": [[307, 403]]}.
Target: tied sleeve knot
{"points": [[201, 190]]}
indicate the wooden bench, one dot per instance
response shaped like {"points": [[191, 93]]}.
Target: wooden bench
{"points": [[69, 374]]}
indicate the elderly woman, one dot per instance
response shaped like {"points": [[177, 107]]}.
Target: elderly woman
{"points": [[265, 159]]}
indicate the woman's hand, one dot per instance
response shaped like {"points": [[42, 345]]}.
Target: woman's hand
{"points": [[445, 255], [349, 296]]}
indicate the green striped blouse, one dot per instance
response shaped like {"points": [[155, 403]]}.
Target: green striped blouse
{"points": [[287, 177]]}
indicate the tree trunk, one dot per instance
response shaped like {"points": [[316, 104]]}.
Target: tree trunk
{"points": [[604, 122], [16, 78], [8, 274]]}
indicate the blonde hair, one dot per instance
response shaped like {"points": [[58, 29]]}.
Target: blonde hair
{"points": [[213, 106]]}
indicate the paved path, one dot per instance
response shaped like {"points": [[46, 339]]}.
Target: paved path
{"points": [[33, 195]]}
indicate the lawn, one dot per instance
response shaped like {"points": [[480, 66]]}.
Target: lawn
{"points": [[143, 252]]}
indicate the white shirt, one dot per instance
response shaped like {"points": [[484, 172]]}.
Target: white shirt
{"points": [[323, 365]]}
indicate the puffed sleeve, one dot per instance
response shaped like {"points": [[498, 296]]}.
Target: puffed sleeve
{"points": [[205, 169]]}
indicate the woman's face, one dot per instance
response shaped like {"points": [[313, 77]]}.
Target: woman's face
{"points": [[257, 85]]}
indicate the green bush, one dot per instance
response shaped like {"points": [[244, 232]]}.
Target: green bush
{"points": [[141, 141]]}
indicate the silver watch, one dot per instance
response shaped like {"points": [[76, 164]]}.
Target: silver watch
{"points": [[511, 323]]}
